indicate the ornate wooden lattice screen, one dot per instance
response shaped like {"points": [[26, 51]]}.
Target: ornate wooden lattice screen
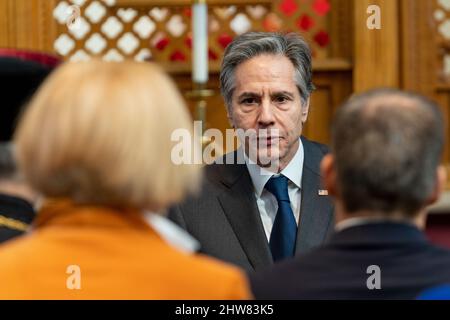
{"points": [[114, 31], [442, 23], [161, 30]]}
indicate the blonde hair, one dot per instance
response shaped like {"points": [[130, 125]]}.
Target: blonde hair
{"points": [[100, 133]]}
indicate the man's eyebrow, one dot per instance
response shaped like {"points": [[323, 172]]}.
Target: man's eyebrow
{"points": [[248, 95], [281, 93]]}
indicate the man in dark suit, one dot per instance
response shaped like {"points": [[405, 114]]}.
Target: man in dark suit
{"points": [[18, 81], [263, 203], [383, 172]]}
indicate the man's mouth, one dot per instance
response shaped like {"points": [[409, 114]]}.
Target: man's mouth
{"points": [[267, 140]]}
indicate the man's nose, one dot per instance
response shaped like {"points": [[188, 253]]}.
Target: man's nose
{"points": [[266, 116]]}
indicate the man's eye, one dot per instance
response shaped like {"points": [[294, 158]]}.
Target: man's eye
{"points": [[249, 101], [281, 99]]}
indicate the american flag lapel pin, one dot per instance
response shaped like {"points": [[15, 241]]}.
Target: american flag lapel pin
{"points": [[323, 192]]}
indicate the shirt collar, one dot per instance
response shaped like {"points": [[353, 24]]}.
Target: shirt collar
{"points": [[171, 233], [293, 170], [65, 212]]}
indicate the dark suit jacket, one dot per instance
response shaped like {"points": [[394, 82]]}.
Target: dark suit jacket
{"points": [[226, 220], [17, 210], [338, 270], [19, 79]]}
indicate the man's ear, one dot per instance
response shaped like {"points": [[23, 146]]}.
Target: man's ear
{"points": [[439, 186], [328, 172], [230, 120], [230, 116], [305, 110]]}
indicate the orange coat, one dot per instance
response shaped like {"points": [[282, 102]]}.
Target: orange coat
{"points": [[119, 257]]}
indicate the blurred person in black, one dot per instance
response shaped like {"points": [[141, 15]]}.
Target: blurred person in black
{"points": [[19, 79], [383, 172]]}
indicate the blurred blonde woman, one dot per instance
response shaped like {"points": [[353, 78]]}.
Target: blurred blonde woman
{"points": [[96, 143]]}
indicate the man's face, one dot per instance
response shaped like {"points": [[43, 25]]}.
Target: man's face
{"points": [[266, 97]]}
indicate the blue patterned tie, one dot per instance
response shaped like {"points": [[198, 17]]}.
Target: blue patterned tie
{"points": [[284, 230]]}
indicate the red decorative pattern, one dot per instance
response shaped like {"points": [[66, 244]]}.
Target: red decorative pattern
{"points": [[177, 56], [188, 41], [187, 12], [321, 7], [288, 7], [162, 44], [322, 38], [224, 40], [212, 55], [305, 22]]}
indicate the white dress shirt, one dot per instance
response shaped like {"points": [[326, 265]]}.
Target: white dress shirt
{"points": [[266, 201], [171, 233]]}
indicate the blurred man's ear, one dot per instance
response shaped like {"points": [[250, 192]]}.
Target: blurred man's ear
{"points": [[328, 172], [439, 187], [305, 110]]}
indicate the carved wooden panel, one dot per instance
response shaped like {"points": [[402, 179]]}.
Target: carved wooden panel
{"points": [[27, 24], [426, 55], [441, 23], [161, 31], [114, 30], [139, 29]]}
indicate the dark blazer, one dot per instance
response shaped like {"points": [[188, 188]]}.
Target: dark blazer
{"points": [[338, 270], [225, 219], [19, 80], [15, 216]]}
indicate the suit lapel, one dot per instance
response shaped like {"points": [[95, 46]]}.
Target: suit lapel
{"points": [[239, 205], [316, 210]]}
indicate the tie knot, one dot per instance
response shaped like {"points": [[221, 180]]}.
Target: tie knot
{"points": [[278, 186]]}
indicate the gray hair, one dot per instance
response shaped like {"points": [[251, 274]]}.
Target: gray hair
{"points": [[252, 44], [387, 146]]}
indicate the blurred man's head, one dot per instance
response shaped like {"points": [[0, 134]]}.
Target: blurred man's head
{"points": [[386, 150]]}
